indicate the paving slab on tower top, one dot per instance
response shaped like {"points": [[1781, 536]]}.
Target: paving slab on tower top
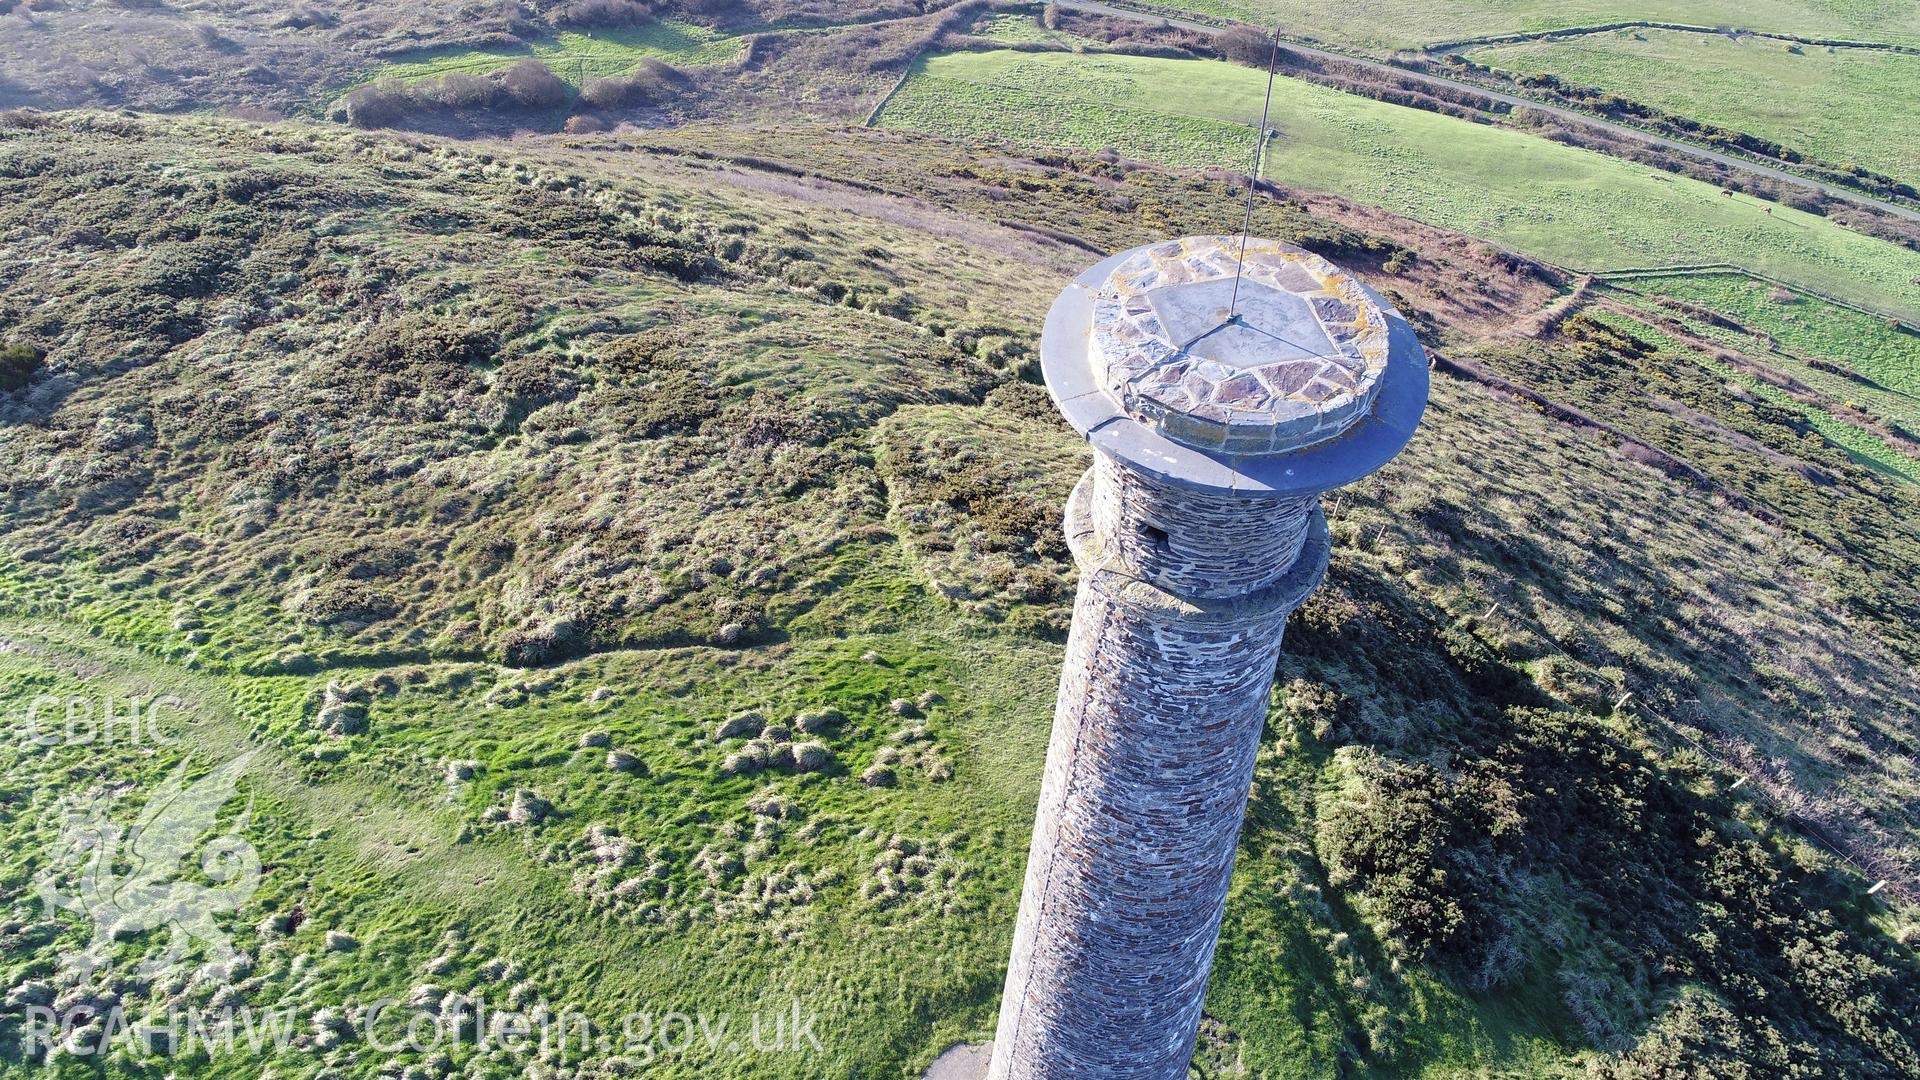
{"points": [[1294, 362], [1310, 380]]}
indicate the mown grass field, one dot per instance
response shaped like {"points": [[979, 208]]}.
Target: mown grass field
{"points": [[1385, 25], [1844, 106], [1567, 206], [576, 56]]}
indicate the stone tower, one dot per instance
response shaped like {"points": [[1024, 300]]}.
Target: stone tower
{"points": [[1197, 531]]}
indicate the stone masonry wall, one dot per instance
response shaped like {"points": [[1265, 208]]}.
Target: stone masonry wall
{"points": [[1162, 701], [1192, 543]]}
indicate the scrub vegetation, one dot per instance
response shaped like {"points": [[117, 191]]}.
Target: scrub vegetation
{"points": [[635, 561]]}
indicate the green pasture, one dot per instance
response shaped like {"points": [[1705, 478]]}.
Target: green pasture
{"points": [[1827, 416], [1804, 326], [574, 55], [1843, 106], [1022, 27], [1853, 361], [1572, 207], [1381, 25]]}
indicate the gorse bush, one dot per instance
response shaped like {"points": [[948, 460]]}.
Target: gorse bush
{"points": [[458, 90], [1434, 855], [1395, 838], [533, 85], [654, 84], [382, 103], [18, 362], [603, 13]]}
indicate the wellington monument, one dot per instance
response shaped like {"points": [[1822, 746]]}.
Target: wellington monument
{"points": [[1224, 385]]}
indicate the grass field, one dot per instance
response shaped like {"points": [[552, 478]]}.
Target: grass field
{"points": [[1855, 364], [1568, 206], [576, 56], [1805, 326], [1831, 409], [1022, 27], [1384, 25], [1844, 106]]}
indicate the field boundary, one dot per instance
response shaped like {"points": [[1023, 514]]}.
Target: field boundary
{"points": [[1441, 47], [1894, 314], [1641, 272], [873, 115], [1412, 64]]}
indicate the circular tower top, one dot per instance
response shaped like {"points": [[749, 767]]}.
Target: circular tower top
{"points": [[1310, 381], [1295, 362]]}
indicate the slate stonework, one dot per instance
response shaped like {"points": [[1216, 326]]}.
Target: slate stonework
{"points": [[1193, 543], [1162, 701], [1196, 536]]}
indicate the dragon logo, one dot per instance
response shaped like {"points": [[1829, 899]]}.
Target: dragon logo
{"points": [[131, 882]]}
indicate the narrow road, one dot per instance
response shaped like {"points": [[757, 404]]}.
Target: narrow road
{"points": [[1097, 8]]}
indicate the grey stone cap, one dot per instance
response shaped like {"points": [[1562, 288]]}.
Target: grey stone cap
{"points": [[1277, 358], [1318, 382], [1101, 570]]}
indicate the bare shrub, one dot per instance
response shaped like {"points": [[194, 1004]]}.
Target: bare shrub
{"points": [[604, 13], [306, 16], [604, 93], [458, 90], [653, 84], [1244, 45], [533, 85], [657, 80], [378, 104]]}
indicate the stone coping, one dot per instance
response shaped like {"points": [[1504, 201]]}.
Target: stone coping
{"points": [[1365, 426], [1285, 355]]}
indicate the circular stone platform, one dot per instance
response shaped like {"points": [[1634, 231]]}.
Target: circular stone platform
{"points": [[1309, 381], [1287, 356]]}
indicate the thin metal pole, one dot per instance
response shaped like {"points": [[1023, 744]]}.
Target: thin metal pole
{"points": [[1253, 179]]}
